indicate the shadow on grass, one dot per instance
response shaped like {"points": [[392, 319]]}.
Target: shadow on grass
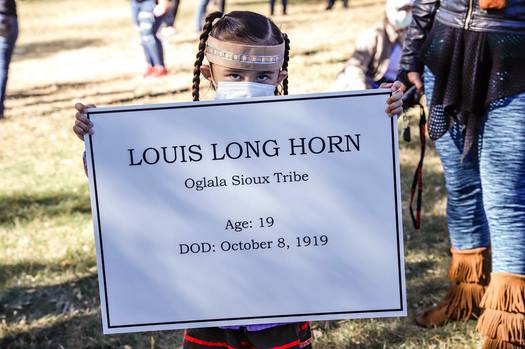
{"points": [[84, 331], [432, 237], [135, 98], [27, 269], [32, 304], [105, 98], [42, 91], [26, 207], [95, 93], [44, 49], [67, 316], [418, 269], [54, 88]]}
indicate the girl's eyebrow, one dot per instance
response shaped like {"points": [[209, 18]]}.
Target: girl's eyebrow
{"points": [[265, 72]]}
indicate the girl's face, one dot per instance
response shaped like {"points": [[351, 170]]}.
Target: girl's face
{"points": [[220, 73]]}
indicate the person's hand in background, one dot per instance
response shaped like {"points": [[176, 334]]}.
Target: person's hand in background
{"points": [[161, 8]]}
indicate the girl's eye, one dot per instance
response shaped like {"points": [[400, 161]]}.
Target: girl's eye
{"points": [[234, 77], [262, 77]]}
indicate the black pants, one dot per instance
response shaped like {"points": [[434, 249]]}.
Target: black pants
{"points": [[169, 18], [290, 336], [332, 2], [272, 6]]}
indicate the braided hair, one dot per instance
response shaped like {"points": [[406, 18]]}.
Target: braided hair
{"points": [[208, 24], [241, 27], [285, 63]]}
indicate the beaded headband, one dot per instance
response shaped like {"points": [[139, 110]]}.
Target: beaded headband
{"points": [[241, 56]]}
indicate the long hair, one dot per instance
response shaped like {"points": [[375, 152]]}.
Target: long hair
{"points": [[241, 27]]}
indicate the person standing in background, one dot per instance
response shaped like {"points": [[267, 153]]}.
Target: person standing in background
{"points": [[148, 16], [468, 56], [169, 18], [331, 4], [378, 50], [8, 36], [202, 6], [272, 6]]}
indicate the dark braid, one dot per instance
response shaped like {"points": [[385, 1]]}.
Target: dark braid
{"points": [[285, 62], [208, 24]]}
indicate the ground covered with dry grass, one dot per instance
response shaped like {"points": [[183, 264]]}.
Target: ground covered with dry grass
{"points": [[88, 51]]}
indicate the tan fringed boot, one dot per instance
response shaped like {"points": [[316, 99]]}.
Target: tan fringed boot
{"points": [[469, 272], [503, 321]]}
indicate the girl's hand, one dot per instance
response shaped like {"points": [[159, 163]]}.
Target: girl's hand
{"points": [[394, 102], [82, 124]]}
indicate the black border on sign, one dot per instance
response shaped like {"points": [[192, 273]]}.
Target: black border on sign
{"points": [[248, 101]]}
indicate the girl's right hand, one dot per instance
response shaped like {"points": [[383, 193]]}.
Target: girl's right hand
{"points": [[82, 124]]}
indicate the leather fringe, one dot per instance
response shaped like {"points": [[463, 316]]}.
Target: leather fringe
{"points": [[503, 321], [470, 265]]}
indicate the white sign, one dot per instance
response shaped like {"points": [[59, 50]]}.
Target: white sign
{"points": [[263, 210]]}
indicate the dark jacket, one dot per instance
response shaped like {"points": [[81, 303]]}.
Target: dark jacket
{"points": [[465, 14], [8, 7]]}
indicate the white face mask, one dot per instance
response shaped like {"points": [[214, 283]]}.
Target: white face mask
{"points": [[234, 90], [399, 19]]}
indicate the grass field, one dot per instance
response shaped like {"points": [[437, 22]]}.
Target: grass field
{"points": [[88, 51]]}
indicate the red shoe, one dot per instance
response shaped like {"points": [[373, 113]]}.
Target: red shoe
{"points": [[159, 71], [148, 72]]}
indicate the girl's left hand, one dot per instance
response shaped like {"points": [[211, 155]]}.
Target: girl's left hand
{"points": [[394, 102]]}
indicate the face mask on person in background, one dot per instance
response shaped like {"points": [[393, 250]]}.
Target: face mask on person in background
{"points": [[397, 14], [242, 89], [399, 19]]}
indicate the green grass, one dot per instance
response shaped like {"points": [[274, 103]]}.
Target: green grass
{"points": [[88, 51]]}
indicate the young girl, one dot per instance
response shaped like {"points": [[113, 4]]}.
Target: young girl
{"points": [[248, 57]]}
